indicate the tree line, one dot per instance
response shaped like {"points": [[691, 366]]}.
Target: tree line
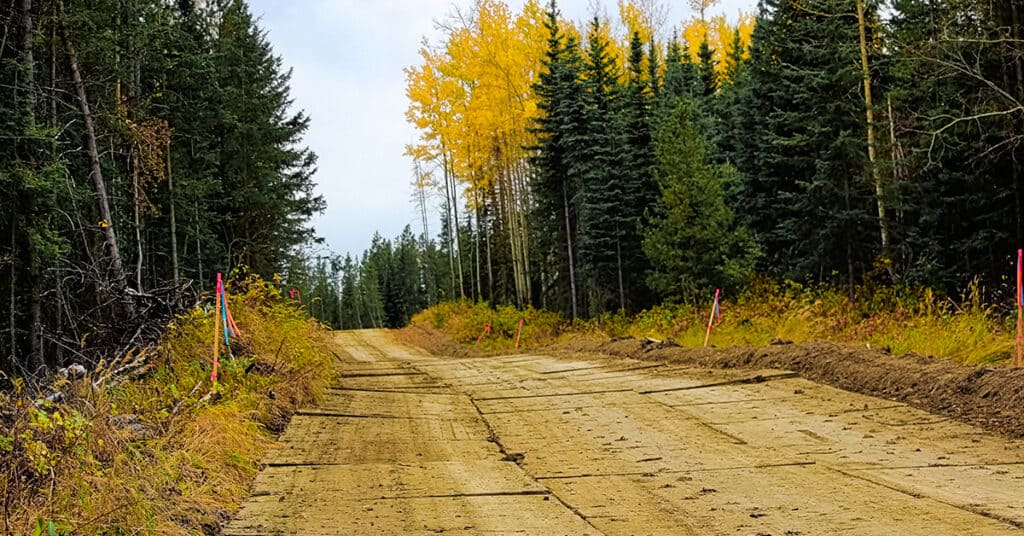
{"points": [[603, 168], [144, 146]]}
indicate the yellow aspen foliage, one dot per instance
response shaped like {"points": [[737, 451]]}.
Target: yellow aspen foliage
{"points": [[645, 18], [634, 21], [720, 34], [472, 97], [432, 103]]}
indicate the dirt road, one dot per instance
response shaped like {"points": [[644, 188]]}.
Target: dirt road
{"points": [[410, 443]]}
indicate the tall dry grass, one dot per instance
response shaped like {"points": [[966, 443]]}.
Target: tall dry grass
{"points": [[897, 319], [163, 452]]}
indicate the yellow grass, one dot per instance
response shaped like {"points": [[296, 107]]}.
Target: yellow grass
{"points": [[78, 468], [899, 320]]}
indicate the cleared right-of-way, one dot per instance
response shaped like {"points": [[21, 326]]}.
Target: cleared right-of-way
{"points": [[413, 443]]}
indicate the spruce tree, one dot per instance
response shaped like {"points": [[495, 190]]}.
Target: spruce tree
{"points": [[805, 195], [635, 186], [600, 192], [707, 66], [958, 183], [681, 77], [692, 240], [555, 182], [267, 187]]}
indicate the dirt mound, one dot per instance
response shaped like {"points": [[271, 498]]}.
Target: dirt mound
{"points": [[989, 397], [436, 342]]}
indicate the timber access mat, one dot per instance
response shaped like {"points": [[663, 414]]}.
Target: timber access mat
{"points": [[991, 397], [569, 442]]}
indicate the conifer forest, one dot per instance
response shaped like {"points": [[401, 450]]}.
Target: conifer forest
{"points": [[144, 146], [582, 167]]}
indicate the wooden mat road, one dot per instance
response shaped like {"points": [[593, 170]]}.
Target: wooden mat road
{"points": [[409, 443]]}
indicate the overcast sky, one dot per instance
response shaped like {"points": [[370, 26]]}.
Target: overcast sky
{"points": [[347, 57]]}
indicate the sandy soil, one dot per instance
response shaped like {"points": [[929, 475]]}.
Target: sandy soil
{"points": [[411, 443]]}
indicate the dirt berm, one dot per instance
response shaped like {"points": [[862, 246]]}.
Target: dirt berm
{"points": [[989, 397]]}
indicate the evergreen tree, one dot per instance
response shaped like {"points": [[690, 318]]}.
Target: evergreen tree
{"points": [[405, 292], [732, 120], [653, 68], [637, 191], [554, 186], [352, 305], [707, 66], [600, 193], [681, 77], [804, 194], [692, 240], [957, 182], [266, 175], [147, 143]]}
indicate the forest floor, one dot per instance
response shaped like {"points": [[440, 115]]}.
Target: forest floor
{"points": [[571, 440]]}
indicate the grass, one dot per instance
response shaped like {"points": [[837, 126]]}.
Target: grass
{"points": [[164, 451], [465, 322], [901, 320]]}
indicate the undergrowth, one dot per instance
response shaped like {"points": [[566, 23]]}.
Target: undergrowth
{"points": [[162, 450], [896, 319], [466, 322]]}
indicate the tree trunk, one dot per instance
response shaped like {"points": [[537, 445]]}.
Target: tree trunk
{"points": [[869, 113], [99, 186], [26, 60], [476, 246], [199, 251], [448, 220], [522, 196], [568, 244], [36, 363], [136, 210], [454, 196], [25, 88], [1018, 69], [421, 200], [13, 311], [355, 302], [622, 286], [53, 75], [175, 274], [849, 241], [490, 268]]}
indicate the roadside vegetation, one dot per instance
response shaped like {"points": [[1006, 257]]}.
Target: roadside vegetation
{"points": [[891, 319], [157, 448]]}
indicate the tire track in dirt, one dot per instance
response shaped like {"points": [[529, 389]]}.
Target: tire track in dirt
{"points": [[411, 443]]}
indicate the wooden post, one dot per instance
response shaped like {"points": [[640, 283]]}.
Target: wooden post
{"points": [[711, 319], [487, 331], [1020, 308], [216, 335], [519, 333]]}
